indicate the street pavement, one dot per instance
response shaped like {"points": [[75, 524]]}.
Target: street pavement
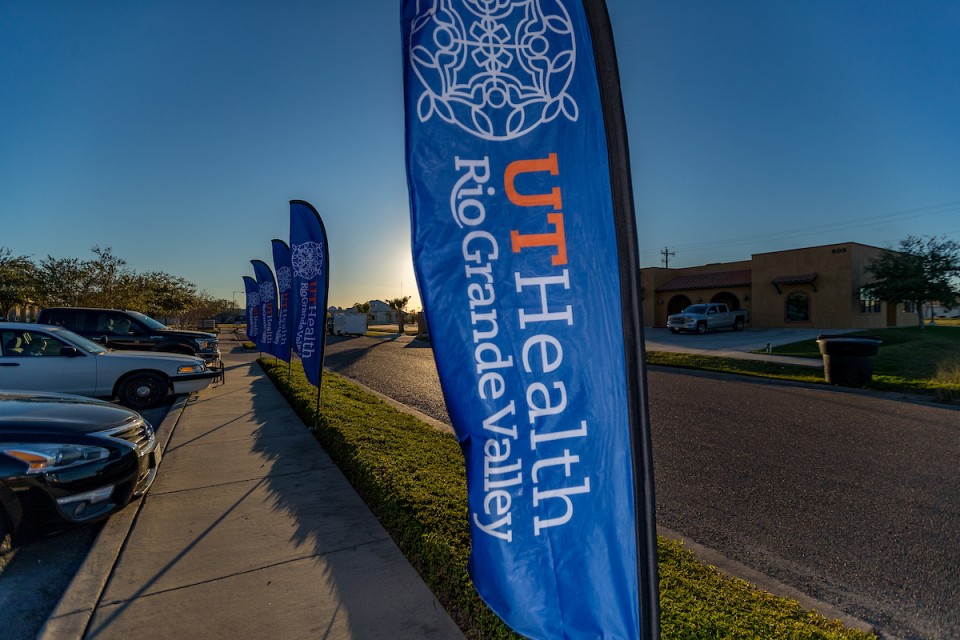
{"points": [[844, 496], [250, 531]]}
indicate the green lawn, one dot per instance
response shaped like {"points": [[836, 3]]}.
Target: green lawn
{"points": [[910, 359], [412, 477]]}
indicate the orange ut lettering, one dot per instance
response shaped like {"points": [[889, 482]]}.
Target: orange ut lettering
{"points": [[553, 199]]}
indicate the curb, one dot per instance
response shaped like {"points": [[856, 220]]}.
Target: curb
{"points": [[764, 582], [69, 619]]}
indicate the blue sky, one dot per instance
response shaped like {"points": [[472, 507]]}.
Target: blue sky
{"points": [[176, 132]]}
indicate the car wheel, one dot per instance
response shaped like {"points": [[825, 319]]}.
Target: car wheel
{"points": [[6, 532], [673, 330], [701, 328], [738, 324], [143, 390]]}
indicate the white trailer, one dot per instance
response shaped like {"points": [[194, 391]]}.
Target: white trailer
{"points": [[349, 324]]}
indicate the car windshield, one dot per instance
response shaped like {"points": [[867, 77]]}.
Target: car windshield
{"points": [[147, 320], [79, 341], [696, 308]]}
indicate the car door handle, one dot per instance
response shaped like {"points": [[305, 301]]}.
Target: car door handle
{"points": [[9, 364]]}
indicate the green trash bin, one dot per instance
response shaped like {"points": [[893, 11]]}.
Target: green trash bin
{"points": [[848, 360]]}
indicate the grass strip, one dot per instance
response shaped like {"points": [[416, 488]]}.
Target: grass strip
{"points": [[759, 368], [910, 359], [412, 478]]}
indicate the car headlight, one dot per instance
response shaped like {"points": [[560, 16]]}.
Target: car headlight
{"points": [[205, 343], [44, 457], [192, 368]]}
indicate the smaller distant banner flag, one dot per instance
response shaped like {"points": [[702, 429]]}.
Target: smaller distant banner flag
{"points": [[281, 330], [268, 308], [253, 308], [310, 264]]}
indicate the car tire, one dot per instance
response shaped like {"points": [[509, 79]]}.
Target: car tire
{"points": [[143, 390], [701, 328], [6, 532], [738, 324], [674, 331]]}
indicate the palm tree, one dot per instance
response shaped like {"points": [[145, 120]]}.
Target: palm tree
{"points": [[397, 304], [362, 307]]}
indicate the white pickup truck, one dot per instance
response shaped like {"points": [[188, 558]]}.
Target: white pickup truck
{"points": [[705, 317]]}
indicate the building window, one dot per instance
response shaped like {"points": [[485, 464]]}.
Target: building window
{"points": [[798, 307], [868, 303], [909, 307]]}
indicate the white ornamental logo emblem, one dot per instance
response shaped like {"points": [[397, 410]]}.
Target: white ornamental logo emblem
{"points": [[283, 278], [496, 68], [307, 260], [266, 292], [253, 299]]}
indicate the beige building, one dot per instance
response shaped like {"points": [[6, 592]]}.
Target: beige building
{"points": [[815, 288]]}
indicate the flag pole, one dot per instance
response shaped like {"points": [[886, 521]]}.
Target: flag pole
{"points": [[608, 77]]}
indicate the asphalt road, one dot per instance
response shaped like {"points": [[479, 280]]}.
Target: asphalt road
{"points": [[853, 499]]}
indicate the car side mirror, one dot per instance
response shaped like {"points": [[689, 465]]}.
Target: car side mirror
{"points": [[102, 339], [70, 352]]}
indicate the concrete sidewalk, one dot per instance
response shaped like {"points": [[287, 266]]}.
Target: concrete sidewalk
{"points": [[250, 531]]}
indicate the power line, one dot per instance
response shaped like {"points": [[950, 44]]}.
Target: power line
{"points": [[945, 207]]}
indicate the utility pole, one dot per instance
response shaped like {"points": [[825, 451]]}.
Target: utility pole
{"points": [[667, 254]]}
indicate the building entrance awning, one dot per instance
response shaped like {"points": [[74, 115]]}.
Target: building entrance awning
{"points": [[803, 278]]}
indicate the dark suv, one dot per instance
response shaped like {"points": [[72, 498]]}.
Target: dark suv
{"points": [[119, 329]]}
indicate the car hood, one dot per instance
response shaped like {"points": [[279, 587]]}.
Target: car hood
{"points": [[160, 358], [59, 413], [186, 333]]}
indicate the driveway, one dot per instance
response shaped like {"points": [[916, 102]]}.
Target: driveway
{"points": [[735, 344]]}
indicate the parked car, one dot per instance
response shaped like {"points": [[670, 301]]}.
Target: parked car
{"points": [[706, 317], [69, 459], [36, 357], [120, 329]]}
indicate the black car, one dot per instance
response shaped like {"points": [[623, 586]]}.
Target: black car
{"points": [[123, 329], [69, 459]]}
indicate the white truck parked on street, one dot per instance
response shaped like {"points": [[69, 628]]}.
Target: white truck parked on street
{"points": [[349, 324], [706, 317]]}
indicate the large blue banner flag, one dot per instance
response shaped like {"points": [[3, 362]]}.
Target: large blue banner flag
{"points": [[268, 307], [253, 308], [281, 331], [525, 249], [310, 261]]}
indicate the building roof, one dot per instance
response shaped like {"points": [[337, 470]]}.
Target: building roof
{"points": [[717, 280]]}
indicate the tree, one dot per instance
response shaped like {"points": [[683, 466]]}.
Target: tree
{"points": [[62, 282], [103, 282], [921, 271], [398, 304], [17, 280], [362, 307], [168, 296]]}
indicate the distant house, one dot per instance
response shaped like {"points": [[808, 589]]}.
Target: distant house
{"points": [[381, 313], [816, 288]]}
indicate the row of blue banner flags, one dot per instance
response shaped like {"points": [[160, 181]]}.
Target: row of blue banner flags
{"points": [[525, 250], [289, 310]]}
